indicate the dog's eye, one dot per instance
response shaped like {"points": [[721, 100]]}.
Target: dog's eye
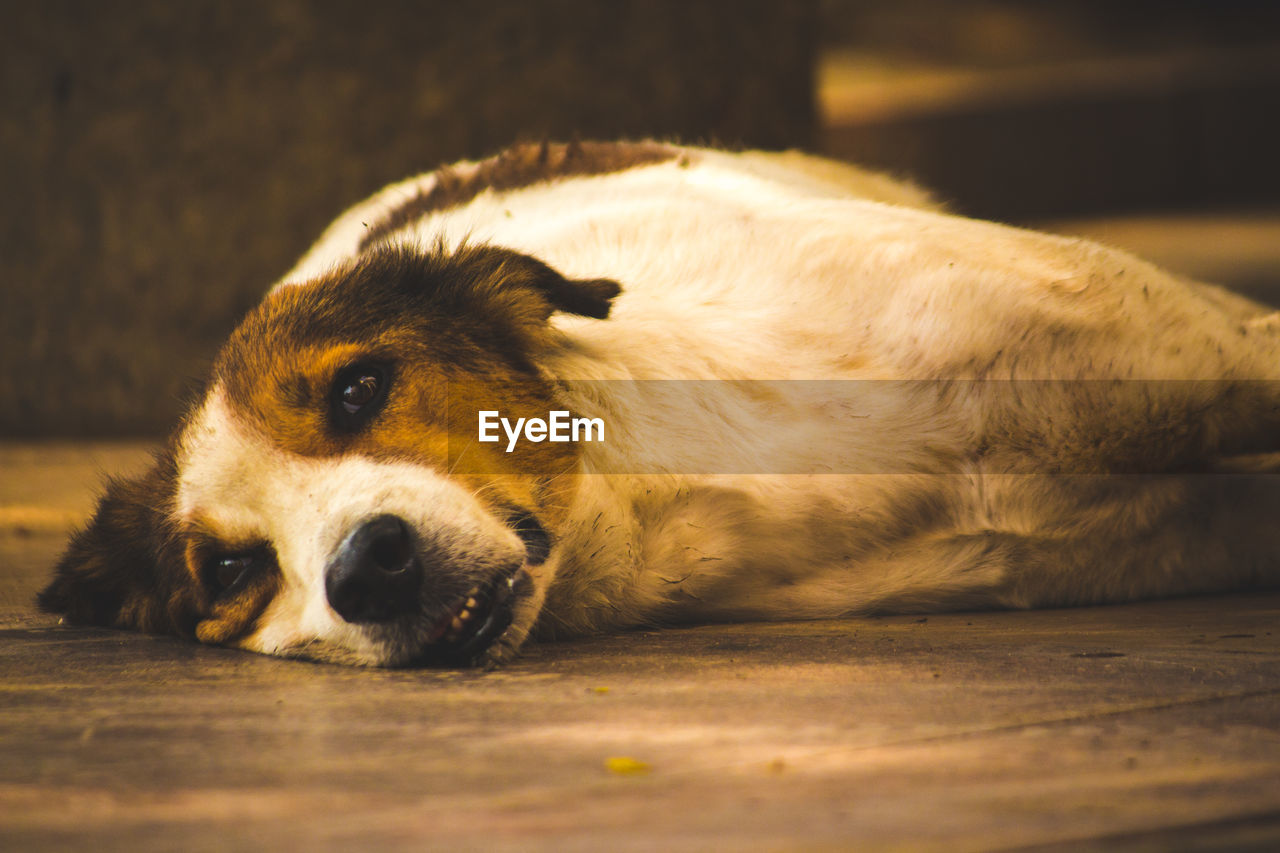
{"points": [[230, 572], [358, 393], [361, 392]]}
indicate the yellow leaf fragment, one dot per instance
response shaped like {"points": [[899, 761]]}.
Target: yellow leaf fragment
{"points": [[625, 766]]}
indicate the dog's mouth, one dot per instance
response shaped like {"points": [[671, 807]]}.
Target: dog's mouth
{"points": [[473, 623]]}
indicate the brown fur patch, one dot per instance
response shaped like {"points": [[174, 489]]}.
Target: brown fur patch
{"points": [[126, 569], [453, 334], [519, 166]]}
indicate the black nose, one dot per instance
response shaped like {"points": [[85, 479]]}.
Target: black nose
{"points": [[376, 574]]}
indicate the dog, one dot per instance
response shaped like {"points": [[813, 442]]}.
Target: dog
{"points": [[584, 387]]}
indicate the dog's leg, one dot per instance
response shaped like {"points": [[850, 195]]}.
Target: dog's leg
{"points": [[1042, 541], [1088, 539]]}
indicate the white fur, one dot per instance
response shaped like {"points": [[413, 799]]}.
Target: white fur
{"points": [[786, 267]]}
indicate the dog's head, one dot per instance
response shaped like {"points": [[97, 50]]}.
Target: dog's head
{"points": [[326, 498]]}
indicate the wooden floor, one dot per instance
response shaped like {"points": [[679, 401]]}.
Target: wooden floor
{"points": [[1144, 727]]}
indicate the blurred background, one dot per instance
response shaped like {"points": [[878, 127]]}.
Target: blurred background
{"points": [[164, 162]]}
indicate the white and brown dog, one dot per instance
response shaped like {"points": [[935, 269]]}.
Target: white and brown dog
{"points": [[814, 395]]}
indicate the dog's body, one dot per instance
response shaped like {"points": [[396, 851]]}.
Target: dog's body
{"points": [[819, 397]]}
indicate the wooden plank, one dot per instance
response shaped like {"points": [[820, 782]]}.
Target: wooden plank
{"points": [[1005, 729]]}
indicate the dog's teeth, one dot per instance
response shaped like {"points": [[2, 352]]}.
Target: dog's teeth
{"points": [[471, 603]]}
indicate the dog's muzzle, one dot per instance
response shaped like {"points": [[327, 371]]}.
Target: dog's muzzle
{"points": [[376, 578]]}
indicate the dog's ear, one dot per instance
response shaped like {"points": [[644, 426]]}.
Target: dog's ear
{"points": [[526, 290], [515, 294], [584, 297], [126, 569]]}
